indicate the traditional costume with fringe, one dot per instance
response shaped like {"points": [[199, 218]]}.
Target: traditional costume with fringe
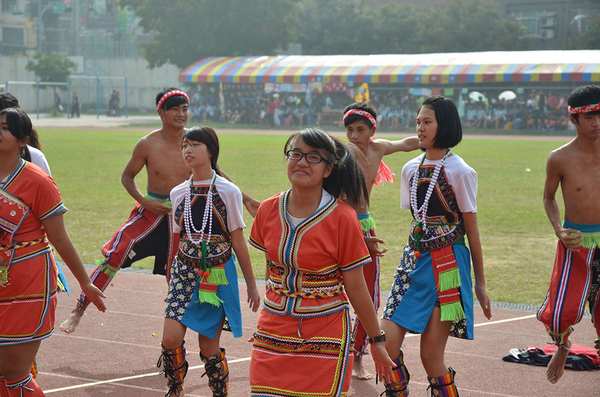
{"points": [[441, 275], [302, 345], [144, 234], [575, 280], [201, 292], [28, 270]]}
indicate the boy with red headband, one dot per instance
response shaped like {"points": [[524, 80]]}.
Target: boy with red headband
{"points": [[360, 120], [576, 275], [147, 232]]}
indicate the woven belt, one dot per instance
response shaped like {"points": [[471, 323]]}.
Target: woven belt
{"points": [[4, 247], [318, 295]]}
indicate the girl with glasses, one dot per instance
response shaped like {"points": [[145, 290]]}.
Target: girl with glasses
{"points": [[315, 250]]}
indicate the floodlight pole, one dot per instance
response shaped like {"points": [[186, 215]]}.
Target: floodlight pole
{"points": [[126, 106], [68, 97], [37, 100]]}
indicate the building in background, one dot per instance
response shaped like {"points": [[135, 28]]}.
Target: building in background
{"points": [[92, 28], [13, 37], [552, 24]]}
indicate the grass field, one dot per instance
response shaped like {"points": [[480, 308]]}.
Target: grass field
{"points": [[518, 241]]}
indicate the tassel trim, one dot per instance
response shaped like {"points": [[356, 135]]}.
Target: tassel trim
{"points": [[384, 174], [105, 268], [560, 339], [367, 224], [452, 312], [591, 240]]}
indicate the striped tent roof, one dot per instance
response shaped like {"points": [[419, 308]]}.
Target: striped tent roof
{"points": [[447, 68]]}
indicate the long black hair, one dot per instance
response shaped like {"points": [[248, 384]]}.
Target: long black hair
{"points": [[8, 100], [346, 180], [19, 125], [207, 136]]}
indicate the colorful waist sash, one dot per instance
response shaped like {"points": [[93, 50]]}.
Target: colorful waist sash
{"points": [[589, 232], [9, 247], [152, 196]]}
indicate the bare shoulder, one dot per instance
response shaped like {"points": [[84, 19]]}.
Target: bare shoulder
{"points": [[379, 145], [563, 153]]}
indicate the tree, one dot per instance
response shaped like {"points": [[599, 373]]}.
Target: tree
{"points": [[189, 30], [331, 27], [473, 25], [456, 26], [51, 67]]}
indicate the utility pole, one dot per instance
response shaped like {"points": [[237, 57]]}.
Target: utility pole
{"points": [[567, 23]]}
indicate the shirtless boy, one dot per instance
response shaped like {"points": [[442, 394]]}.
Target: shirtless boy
{"points": [[147, 232], [360, 120], [576, 275]]}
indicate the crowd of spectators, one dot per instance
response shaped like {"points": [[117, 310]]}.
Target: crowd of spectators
{"points": [[396, 109]]}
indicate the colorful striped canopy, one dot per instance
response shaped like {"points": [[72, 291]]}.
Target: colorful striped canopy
{"points": [[449, 68]]}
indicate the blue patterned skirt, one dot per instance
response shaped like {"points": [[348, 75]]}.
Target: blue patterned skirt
{"points": [[204, 318], [414, 294]]}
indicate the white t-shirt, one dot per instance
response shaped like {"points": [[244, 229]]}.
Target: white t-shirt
{"points": [[229, 193], [461, 177], [38, 158], [294, 221]]}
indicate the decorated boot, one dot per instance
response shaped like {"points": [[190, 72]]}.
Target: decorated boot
{"points": [[218, 373], [398, 385], [443, 386], [25, 386], [175, 368]]}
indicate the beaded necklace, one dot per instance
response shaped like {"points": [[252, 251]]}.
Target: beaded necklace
{"points": [[420, 214], [204, 270], [206, 219]]}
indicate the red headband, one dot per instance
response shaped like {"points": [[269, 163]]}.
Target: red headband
{"points": [[366, 115], [169, 95], [584, 109]]}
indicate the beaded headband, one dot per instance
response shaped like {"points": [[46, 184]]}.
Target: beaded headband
{"points": [[366, 115], [584, 109], [169, 95]]}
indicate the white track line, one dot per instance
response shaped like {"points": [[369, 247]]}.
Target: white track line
{"points": [[507, 320], [113, 381]]}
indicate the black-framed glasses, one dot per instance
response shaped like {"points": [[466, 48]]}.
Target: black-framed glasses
{"points": [[311, 158]]}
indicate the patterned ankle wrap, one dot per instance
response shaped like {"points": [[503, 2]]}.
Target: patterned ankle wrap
{"points": [[398, 385], [24, 383], [218, 373], [443, 386], [561, 340], [175, 368]]}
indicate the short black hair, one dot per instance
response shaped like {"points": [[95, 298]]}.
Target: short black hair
{"points": [[207, 136], [584, 95], [173, 101], [449, 131], [356, 117]]}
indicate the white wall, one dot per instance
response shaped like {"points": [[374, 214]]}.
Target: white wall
{"points": [[142, 83]]}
